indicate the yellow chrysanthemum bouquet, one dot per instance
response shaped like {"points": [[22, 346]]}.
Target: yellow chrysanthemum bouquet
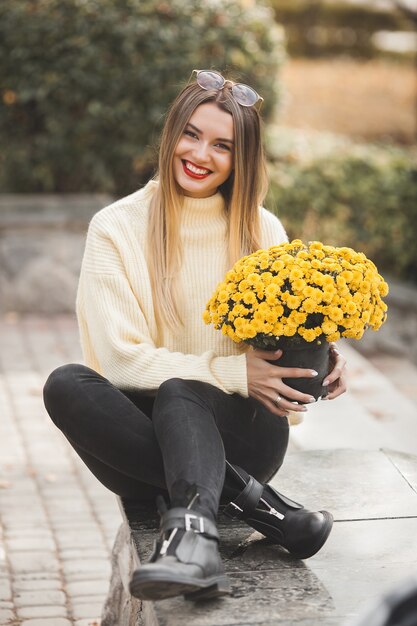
{"points": [[296, 296]]}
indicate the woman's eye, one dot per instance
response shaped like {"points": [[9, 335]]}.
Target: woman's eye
{"points": [[223, 146], [190, 134]]}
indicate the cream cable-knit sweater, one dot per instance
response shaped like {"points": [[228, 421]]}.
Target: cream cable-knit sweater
{"points": [[119, 336]]}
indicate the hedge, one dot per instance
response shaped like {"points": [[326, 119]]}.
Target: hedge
{"points": [[362, 197], [85, 85]]}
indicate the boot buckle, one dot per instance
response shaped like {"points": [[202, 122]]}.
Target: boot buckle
{"points": [[189, 517]]}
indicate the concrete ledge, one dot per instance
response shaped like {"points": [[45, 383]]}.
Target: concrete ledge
{"points": [[373, 496], [41, 246]]}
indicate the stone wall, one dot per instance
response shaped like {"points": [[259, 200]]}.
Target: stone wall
{"points": [[41, 244]]}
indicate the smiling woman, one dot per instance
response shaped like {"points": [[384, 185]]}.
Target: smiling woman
{"points": [[164, 404], [203, 159]]}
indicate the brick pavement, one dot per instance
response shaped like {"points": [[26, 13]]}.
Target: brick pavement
{"points": [[57, 523]]}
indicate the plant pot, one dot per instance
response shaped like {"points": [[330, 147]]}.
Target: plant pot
{"points": [[307, 355]]}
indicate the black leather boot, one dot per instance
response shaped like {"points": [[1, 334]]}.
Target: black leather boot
{"points": [[186, 560], [282, 520]]}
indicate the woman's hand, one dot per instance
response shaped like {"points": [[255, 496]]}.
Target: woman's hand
{"points": [[336, 379], [266, 385]]}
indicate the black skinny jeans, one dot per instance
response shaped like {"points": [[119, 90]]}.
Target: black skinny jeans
{"points": [[139, 446]]}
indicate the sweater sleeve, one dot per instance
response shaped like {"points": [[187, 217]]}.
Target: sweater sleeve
{"points": [[272, 230], [116, 336]]}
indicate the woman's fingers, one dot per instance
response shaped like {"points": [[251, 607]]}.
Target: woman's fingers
{"points": [[337, 367], [336, 379], [293, 395]]}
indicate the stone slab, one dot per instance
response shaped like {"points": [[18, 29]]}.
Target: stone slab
{"points": [[373, 414], [406, 465], [352, 484], [371, 548]]}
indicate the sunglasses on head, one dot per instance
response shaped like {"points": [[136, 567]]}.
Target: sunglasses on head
{"points": [[243, 94]]}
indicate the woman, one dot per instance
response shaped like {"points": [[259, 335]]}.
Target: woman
{"points": [[165, 399]]}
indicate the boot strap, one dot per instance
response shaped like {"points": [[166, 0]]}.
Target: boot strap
{"points": [[187, 519], [246, 501]]}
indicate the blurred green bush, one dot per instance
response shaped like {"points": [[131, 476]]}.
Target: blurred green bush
{"points": [[321, 28], [364, 197], [85, 84]]}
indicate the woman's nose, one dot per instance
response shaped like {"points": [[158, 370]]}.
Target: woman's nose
{"points": [[201, 151]]}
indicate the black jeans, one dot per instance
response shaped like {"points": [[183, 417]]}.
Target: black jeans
{"points": [[139, 446]]}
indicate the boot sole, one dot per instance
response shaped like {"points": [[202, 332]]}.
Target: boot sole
{"points": [[156, 586]]}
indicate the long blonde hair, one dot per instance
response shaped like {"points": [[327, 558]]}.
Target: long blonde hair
{"points": [[243, 192]]}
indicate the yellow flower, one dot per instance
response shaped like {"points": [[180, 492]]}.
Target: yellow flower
{"points": [[282, 290], [271, 290], [290, 330], [277, 266], [293, 302], [223, 296], [333, 337], [278, 329], [295, 273], [307, 333], [351, 307], [299, 285], [297, 317], [266, 278], [335, 314], [383, 288], [249, 297], [328, 327], [309, 305]]}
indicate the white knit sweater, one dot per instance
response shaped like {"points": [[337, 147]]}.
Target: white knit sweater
{"points": [[118, 331]]}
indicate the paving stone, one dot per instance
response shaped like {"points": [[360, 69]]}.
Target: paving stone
{"points": [[79, 554], [6, 616], [87, 587], [32, 584], [39, 598], [21, 562], [87, 622], [86, 566], [32, 612], [5, 589], [47, 621], [30, 544], [87, 610], [41, 577], [6, 604]]}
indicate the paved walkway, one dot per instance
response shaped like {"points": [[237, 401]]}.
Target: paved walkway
{"points": [[57, 523]]}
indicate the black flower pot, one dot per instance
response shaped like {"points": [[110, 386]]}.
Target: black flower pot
{"points": [[312, 355]]}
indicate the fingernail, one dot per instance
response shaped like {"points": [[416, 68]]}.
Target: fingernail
{"points": [[304, 409], [325, 383], [314, 373], [312, 399]]}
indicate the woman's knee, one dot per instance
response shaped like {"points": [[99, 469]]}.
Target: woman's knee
{"points": [[178, 390], [60, 385]]}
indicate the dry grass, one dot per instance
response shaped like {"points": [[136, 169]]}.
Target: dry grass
{"points": [[373, 100]]}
